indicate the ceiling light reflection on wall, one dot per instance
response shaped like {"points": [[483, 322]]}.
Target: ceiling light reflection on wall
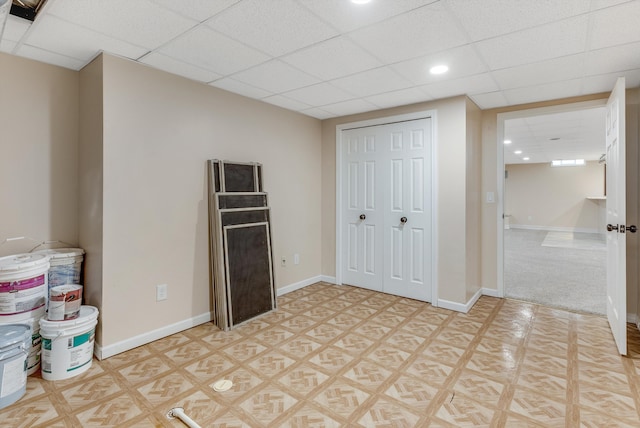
{"points": [[438, 69]]}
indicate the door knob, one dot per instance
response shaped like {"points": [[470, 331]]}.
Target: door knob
{"points": [[403, 220], [362, 216], [611, 227], [632, 228]]}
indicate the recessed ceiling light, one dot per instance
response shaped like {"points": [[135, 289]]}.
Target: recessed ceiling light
{"points": [[518, 152], [360, 1], [438, 69], [525, 158], [507, 141]]}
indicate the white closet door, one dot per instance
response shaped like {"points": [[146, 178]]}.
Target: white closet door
{"points": [[386, 208], [407, 259], [362, 238]]}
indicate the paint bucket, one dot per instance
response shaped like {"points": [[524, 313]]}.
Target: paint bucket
{"points": [[66, 265], [32, 319], [23, 284], [64, 302], [67, 346], [14, 342]]}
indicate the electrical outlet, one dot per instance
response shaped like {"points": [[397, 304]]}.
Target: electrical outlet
{"points": [[283, 262], [161, 292], [296, 259]]}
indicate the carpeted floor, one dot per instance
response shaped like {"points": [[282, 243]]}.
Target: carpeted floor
{"points": [[556, 269]]}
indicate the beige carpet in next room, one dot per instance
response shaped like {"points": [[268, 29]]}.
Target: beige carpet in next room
{"points": [[333, 356]]}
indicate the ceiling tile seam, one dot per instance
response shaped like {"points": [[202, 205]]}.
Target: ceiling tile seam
{"points": [[470, 42], [259, 50], [161, 6], [506, 92], [83, 61], [93, 30], [286, 64], [271, 94]]}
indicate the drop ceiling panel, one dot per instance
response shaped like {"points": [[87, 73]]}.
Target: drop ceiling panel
{"points": [[8, 46], [462, 61], [274, 27], [275, 76], [320, 94], [549, 91], [213, 51], [15, 28], [567, 37], [231, 85], [139, 22], [616, 25], [490, 100], [56, 35], [467, 85], [605, 82], [349, 107], [199, 10], [171, 65], [617, 58], [485, 19], [399, 98], [569, 67], [424, 31], [346, 16], [317, 113], [50, 57], [332, 58], [372, 82], [284, 102]]}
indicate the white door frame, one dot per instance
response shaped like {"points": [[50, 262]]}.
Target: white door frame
{"points": [[502, 117], [339, 183]]}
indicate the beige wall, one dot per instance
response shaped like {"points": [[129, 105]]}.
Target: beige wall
{"points": [[90, 195], [38, 153], [451, 181], [474, 199], [541, 196], [159, 130]]}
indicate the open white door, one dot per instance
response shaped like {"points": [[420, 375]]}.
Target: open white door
{"points": [[616, 216]]}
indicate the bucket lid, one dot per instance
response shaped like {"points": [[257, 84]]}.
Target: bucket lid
{"points": [[11, 334], [87, 313], [18, 262], [59, 253]]}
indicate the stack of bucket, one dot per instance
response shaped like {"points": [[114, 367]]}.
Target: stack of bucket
{"points": [[68, 331], [23, 297]]}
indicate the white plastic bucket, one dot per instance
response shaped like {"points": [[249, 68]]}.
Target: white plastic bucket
{"points": [[32, 319], [67, 346], [64, 302], [23, 284], [66, 265], [14, 342]]}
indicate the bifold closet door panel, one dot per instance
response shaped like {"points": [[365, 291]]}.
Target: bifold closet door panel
{"points": [[248, 266]]}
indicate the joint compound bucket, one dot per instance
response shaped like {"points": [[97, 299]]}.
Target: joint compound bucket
{"points": [[23, 284], [64, 302], [14, 342], [67, 346], [66, 265], [33, 320]]}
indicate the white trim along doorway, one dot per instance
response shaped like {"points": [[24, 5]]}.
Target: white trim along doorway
{"points": [[386, 181]]}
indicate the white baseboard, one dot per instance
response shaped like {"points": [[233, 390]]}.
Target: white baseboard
{"points": [[329, 279], [298, 285], [102, 352], [492, 292], [632, 318], [460, 307], [554, 229]]}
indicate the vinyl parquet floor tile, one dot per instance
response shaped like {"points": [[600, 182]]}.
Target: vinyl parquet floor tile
{"points": [[340, 356]]}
